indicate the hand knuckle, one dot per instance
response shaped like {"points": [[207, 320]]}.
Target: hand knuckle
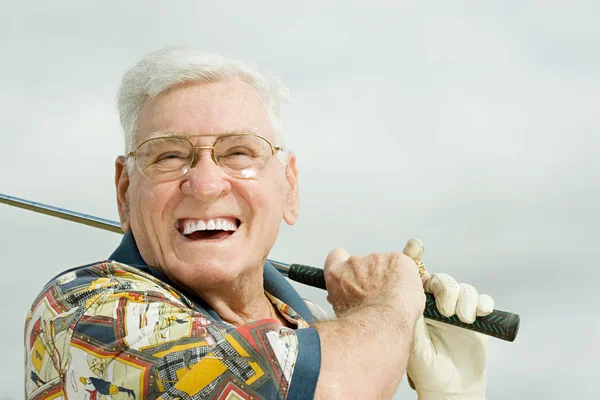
{"points": [[375, 258], [331, 273], [400, 258], [353, 261]]}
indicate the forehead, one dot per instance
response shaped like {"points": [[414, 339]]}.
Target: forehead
{"points": [[205, 109]]}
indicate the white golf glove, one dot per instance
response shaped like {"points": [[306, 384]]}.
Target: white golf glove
{"points": [[447, 362]]}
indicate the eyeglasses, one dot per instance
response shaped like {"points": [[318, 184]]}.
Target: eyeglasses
{"points": [[239, 155]]}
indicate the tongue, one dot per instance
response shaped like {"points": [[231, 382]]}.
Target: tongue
{"points": [[204, 235]]}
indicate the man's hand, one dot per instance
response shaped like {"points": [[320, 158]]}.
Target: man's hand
{"points": [[386, 279], [377, 300], [446, 361]]}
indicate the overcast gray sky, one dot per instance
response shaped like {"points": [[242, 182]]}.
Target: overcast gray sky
{"points": [[474, 127]]}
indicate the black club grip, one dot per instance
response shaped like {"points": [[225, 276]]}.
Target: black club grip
{"points": [[500, 324], [308, 275]]}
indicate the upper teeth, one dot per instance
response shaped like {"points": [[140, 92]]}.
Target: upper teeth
{"points": [[223, 224]]}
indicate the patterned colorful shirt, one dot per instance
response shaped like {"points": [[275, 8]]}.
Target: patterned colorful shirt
{"points": [[119, 329]]}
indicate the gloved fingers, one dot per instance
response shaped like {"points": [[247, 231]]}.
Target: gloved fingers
{"points": [[466, 307], [446, 290], [485, 306]]}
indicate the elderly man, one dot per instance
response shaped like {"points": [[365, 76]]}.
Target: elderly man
{"points": [[188, 307]]}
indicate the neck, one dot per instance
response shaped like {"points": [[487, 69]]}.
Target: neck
{"points": [[238, 310], [238, 304], [241, 301]]}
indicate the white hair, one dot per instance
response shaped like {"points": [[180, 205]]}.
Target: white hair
{"points": [[171, 66]]}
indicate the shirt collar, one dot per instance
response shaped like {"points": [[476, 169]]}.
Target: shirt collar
{"points": [[274, 283]]}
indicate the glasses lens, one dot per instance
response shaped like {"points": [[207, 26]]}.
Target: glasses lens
{"points": [[243, 156], [164, 158]]}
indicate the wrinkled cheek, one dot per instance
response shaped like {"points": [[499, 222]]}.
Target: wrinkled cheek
{"points": [[273, 208], [146, 223], [144, 205], [147, 210]]}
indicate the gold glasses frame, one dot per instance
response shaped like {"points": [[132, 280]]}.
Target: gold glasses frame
{"points": [[197, 149]]}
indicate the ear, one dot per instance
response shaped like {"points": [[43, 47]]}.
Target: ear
{"points": [[292, 204], [122, 184]]}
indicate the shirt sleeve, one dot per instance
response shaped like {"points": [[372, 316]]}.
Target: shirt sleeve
{"points": [[115, 331]]}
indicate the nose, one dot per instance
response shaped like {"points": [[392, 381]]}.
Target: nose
{"points": [[206, 180]]}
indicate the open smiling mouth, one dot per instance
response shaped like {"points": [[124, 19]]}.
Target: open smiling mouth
{"points": [[207, 229]]}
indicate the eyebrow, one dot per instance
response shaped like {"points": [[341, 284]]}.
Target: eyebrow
{"points": [[157, 134], [161, 133]]}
